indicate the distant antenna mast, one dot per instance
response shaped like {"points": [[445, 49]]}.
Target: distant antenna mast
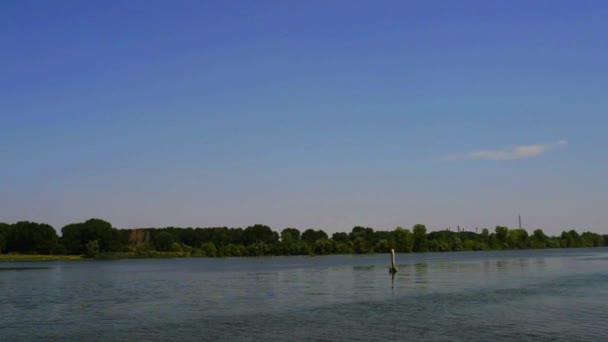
{"points": [[519, 221]]}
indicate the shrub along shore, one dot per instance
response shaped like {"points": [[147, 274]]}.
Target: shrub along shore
{"points": [[97, 239]]}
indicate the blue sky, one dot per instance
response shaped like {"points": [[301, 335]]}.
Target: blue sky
{"points": [[316, 114]]}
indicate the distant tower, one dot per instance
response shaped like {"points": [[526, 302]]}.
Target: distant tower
{"points": [[519, 221]]}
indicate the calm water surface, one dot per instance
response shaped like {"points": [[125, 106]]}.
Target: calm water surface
{"points": [[550, 295]]}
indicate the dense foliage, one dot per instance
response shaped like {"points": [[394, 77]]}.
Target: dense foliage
{"points": [[97, 237]]}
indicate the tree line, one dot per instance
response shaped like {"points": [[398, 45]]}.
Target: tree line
{"points": [[96, 237]]}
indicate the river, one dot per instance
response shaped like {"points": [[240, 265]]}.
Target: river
{"points": [[536, 295]]}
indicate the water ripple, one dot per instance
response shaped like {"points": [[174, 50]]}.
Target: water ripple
{"points": [[510, 296]]}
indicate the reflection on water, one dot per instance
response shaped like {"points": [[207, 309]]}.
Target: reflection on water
{"points": [[421, 273], [22, 268], [539, 263], [538, 295]]}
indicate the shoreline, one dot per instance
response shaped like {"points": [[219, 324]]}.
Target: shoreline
{"points": [[38, 258], [7, 258]]}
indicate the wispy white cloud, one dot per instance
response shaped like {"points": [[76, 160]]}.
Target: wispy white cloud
{"points": [[517, 152]]}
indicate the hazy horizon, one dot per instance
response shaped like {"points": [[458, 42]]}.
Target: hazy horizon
{"points": [[324, 115]]}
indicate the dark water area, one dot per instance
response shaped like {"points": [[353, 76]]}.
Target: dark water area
{"points": [[22, 268], [539, 295]]}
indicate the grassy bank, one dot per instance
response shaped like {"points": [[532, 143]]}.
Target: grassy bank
{"points": [[37, 258], [142, 255], [103, 256]]}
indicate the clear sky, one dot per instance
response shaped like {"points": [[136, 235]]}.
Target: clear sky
{"points": [[309, 114]]}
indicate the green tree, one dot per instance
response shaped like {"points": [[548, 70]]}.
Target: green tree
{"points": [[310, 236], [2, 243], [493, 242], [472, 245], [290, 240], [177, 247], [440, 245], [258, 249], [363, 239], [324, 246], [210, 250], [75, 236], [455, 243], [538, 239], [163, 241], [290, 235], [233, 250], [554, 243], [383, 246], [403, 241], [259, 233], [420, 238], [97, 236], [590, 239], [31, 237], [485, 235], [340, 237], [518, 238], [344, 247], [221, 236], [569, 238], [4, 232], [92, 249], [502, 235]]}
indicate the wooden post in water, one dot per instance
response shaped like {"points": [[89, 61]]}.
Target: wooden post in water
{"points": [[393, 268]]}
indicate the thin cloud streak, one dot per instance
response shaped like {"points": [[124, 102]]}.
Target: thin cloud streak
{"points": [[518, 152]]}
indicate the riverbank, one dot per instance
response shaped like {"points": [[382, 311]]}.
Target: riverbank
{"points": [[176, 255], [38, 258], [103, 256]]}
